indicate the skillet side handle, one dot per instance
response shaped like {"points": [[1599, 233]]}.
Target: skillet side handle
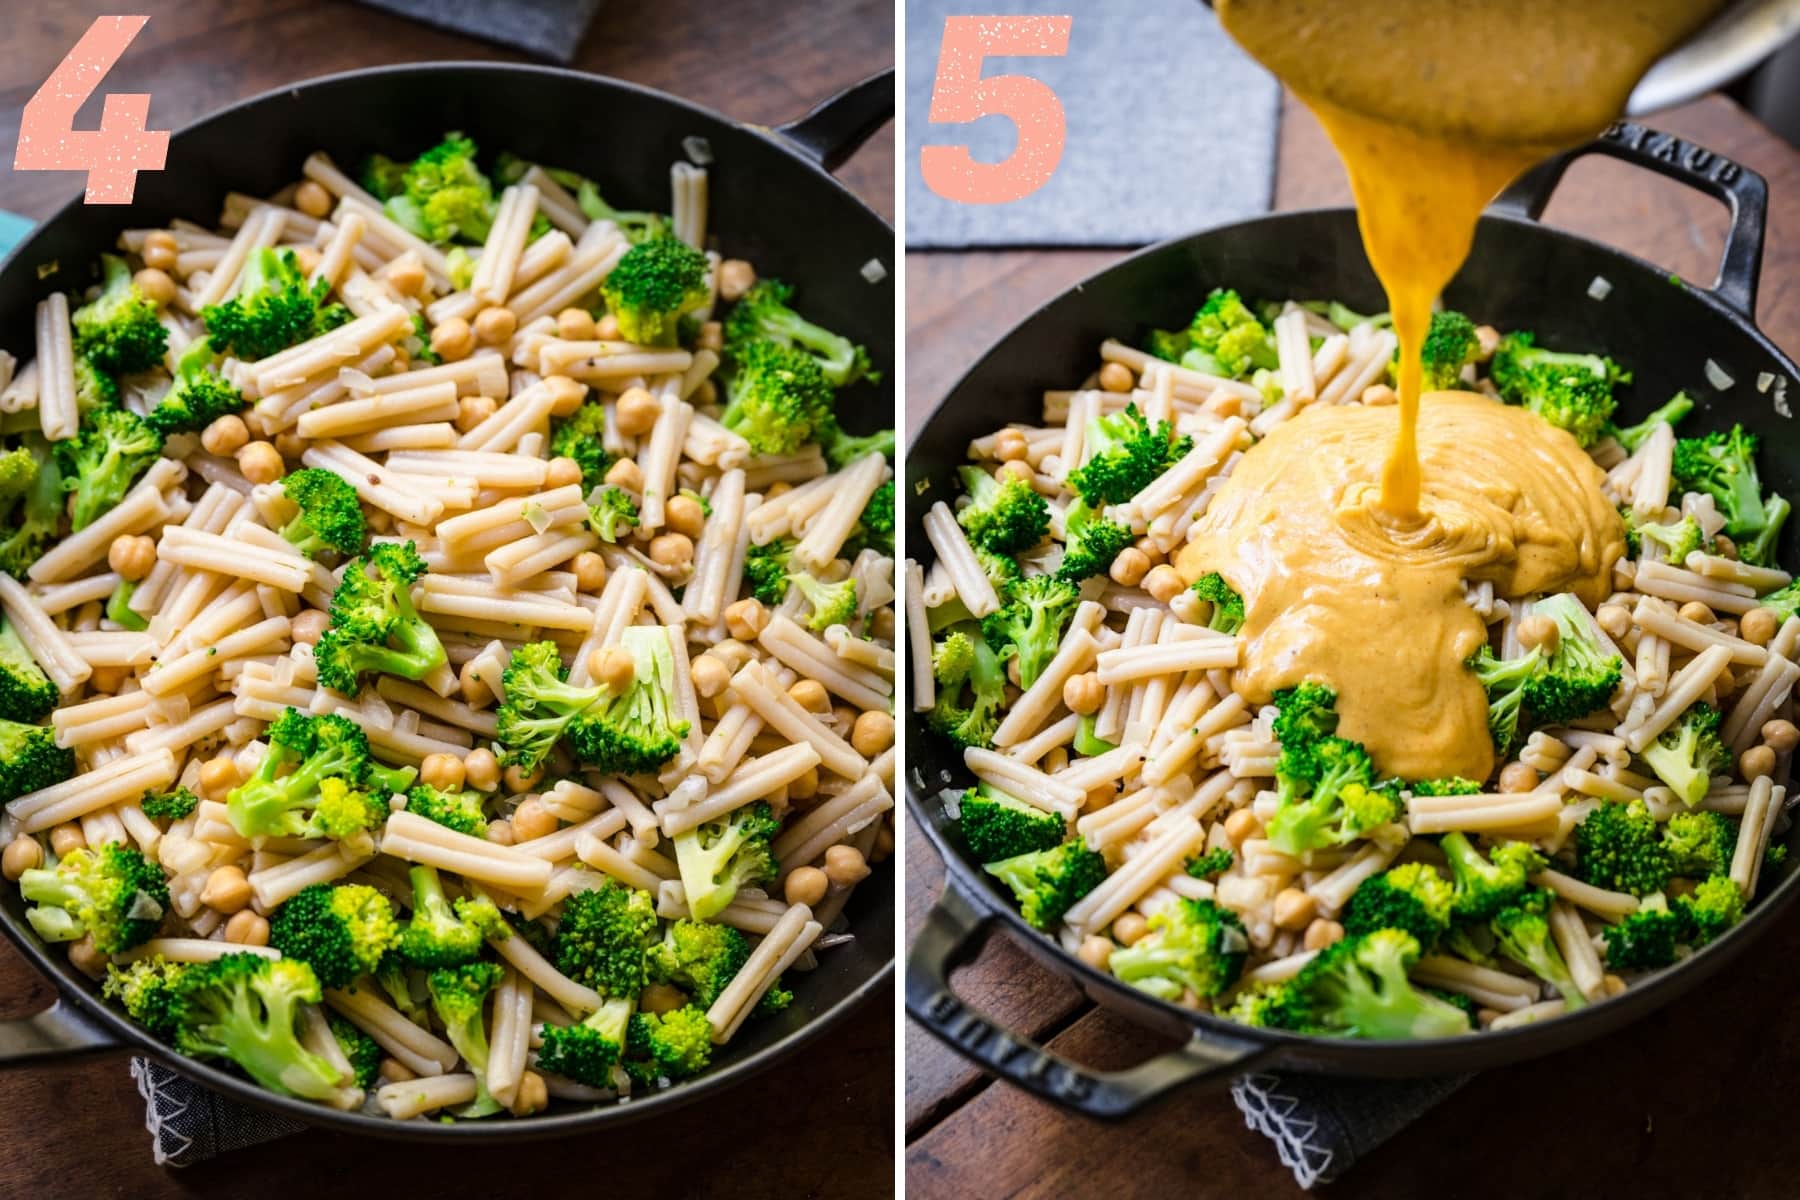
{"points": [[60, 1031], [838, 126], [1744, 192], [952, 930]]}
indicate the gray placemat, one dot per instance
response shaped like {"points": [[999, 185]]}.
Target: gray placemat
{"points": [[1170, 128], [1321, 1127], [189, 1124], [551, 28]]}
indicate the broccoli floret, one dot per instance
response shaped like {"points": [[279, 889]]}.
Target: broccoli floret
{"points": [[33, 520], [441, 196], [246, 1008], [119, 610], [146, 989], [540, 704], [1646, 939], [832, 603], [341, 931], [779, 398], [1486, 885], [578, 436], [1046, 882], [604, 937], [1723, 466], [1677, 540], [1167, 344], [1710, 909], [1505, 679], [1761, 549], [996, 825], [170, 805], [1578, 676], [1326, 796], [1522, 933], [101, 462], [271, 804], [1453, 785], [763, 312], [114, 894], [1700, 843], [345, 812], [965, 657], [30, 759], [94, 388], [1125, 453], [458, 996], [636, 730], [200, 395], [674, 1045], [1305, 713], [1192, 945], [1090, 543], [1688, 752], [118, 331], [700, 957], [1227, 606], [588, 1052], [445, 934], [611, 514], [275, 307], [1227, 334], [26, 693], [841, 449], [766, 570], [1002, 517], [1619, 846], [1214, 862], [875, 527], [1412, 897], [374, 627], [724, 854], [1029, 625], [330, 515], [652, 286], [364, 1052], [458, 810], [18, 469], [1633, 436], [1358, 987], [1450, 343], [1570, 391]]}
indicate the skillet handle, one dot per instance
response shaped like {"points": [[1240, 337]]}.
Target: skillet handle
{"points": [[1744, 192], [60, 1031], [837, 127], [952, 931]]}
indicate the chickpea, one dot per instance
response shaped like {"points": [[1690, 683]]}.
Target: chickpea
{"points": [[1099, 797], [612, 667], [1151, 550], [881, 624], [247, 928], [576, 324], [625, 474], [260, 462], [1725, 684], [672, 549], [481, 770], [780, 487], [607, 328], [1164, 582], [519, 780], [1615, 619], [1518, 777], [1724, 547], [1129, 567], [1780, 735], [805, 885], [706, 395], [1240, 826], [500, 832], [160, 250], [395, 1071], [1017, 469], [735, 278], [452, 339], [1294, 909], [1756, 762], [1379, 395], [442, 771], [66, 838], [1612, 985], [711, 677], [532, 1097], [746, 618], [637, 412], [1117, 377], [873, 733], [661, 998], [156, 285], [290, 445], [805, 785], [566, 394], [218, 776], [226, 889], [85, 957], [379, 521], [1322, 933], [1487, 338], [312, 199], [405, 275], [1129, 928], [1010, 446], [1084, 693], [711, 337], [1014, 674], [1540, 631], [22, 854], [684, 515], [107, 680], [590, 571], [562, 472], [225, 436], [1758, 626], [475, 691], [306, 258], [532, 820], [131, 555], [473, 410], [810, 694], [1095, 951], [1696, 612], [495, 325]]}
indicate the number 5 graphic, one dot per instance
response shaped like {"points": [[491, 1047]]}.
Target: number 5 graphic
{"points": [[113, 154], [960, 94]]}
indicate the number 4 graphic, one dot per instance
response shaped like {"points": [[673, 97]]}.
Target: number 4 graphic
{"points": [[960, 94], [113, 154]]}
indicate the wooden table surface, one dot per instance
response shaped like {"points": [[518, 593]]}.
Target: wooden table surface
{"points": [[78, 1130], [1691, 1102]]}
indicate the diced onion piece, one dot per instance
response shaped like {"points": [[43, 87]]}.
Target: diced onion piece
{"points": [[873, 271], [536, 517], [1763, 380], [1600, 289], [1715, 375], [698, 150]]}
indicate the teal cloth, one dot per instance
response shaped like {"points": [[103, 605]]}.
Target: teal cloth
{"points": [[13, 229]]}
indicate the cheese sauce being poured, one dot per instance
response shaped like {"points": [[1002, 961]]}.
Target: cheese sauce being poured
{"points": [[1350, 531]]}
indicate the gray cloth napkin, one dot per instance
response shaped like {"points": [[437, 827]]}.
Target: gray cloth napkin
{"points": [[1170, 128], [1322, 1126], [551, 28], [189, 1124]]}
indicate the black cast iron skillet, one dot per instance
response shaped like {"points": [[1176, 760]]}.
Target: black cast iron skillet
{"points": [[1520, 275], [772, 201]]}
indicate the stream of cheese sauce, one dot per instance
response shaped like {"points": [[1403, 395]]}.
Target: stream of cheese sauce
{"points": [[1350, 531]]}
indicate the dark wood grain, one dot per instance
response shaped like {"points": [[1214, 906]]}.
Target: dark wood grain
{"points": [[819, 1126], [1688, 1103]]}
